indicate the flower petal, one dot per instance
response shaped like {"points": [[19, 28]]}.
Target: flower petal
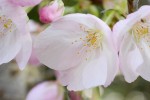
{"points": [[25, 52], [123, 26], [12, 41], [89, 74], [62, 39], [133, 61], [120, 29], [9, 46], [130, 58], [144, 68], [99, 70], [54, 48], [25, 2], [58, 47], [112, 61], [95, 72]]}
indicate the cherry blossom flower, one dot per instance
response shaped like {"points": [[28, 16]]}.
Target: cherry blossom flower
{"points": [[15, 40], [80, 48], [47, 90], [132, 39], [25, 2], [51, 12]]}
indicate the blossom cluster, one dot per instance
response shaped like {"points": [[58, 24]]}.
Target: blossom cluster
{"points": [[82, 48]]}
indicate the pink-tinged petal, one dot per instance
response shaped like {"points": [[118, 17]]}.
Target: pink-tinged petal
{"points": [[33, 59], [54, 48], [10, 37], [141, 13], [122, 27], [133, 60], [33, 26], [109, 50], [16, 32], [144, 68], [95, 72], [46, 91], [25, 2], [88, 20], [9, 45], [112, 62], [130, 59], [89, 74], [57, 42], [61, 43], [19, 21], [25, 52]]}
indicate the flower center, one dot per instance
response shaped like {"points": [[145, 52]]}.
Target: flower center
{"points": [[91, 40], [141, 30], [6, 26]]}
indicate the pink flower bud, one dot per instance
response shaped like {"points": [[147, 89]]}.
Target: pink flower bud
{"points": [[47, 90], [51, 12]]}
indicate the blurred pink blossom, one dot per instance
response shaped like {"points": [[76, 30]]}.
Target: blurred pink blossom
{"points": [[46, 91], [51, 12]]}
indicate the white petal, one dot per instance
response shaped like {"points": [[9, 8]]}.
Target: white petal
{"points": [[25, 52], [9, 40], [25, 2], [9, 47], [11, 35], [89, 74], [124, 26], [54, 48], [19, 21], [130, 58], [144, 69], [112, 62], [95, 72]]}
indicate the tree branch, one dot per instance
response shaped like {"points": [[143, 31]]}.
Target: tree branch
{"points": [[132, 5]]}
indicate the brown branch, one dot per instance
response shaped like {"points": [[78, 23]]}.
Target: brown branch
{"points": [[130, 6]]}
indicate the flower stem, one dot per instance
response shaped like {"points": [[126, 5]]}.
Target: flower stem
{"points": [[96, 94], [109, 18], [75, 95], [66, 95], [71, 95]]}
